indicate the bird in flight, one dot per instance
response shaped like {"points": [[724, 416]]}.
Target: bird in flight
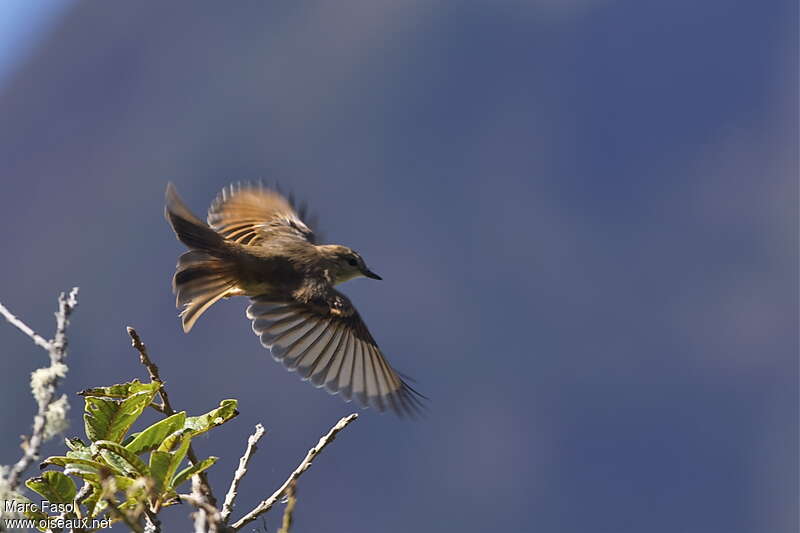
{"points": [[256, 245]]}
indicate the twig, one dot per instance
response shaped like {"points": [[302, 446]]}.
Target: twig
{"points": [[200, 515], [158, 407], [81, 495], [267, 504], [252, 441], [166, 407], [210, 510], [24, 328], [151, 367], [65, 306], [57, 349], [112, 505], [151, 522], [207, 518], [288, 513]]}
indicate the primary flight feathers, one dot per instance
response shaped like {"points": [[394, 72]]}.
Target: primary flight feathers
{"points": [[255, 244]]}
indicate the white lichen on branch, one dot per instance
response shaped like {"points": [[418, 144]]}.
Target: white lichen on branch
{"points": [[51, 416], [43, 382], [7, 494], [57, 418]]}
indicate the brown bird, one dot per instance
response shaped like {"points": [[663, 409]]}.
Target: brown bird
{"points": [[256, 245]]}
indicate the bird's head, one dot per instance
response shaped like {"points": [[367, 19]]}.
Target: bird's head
{"points": [[345, 263]]}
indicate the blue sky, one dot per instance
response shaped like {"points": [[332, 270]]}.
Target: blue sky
{"points": [[22, 24], [585, 215]]}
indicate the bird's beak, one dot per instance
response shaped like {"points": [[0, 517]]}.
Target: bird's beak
{"points": [[370, 274]]}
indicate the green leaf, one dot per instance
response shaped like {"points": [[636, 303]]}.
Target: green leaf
{"points": [[123, 482], [110, 449], [92, 502], [152, 437], [53, 486], [117, 464], [67, 461], [188, 472], [84, 453], [173, 440], [122, 390], [97, 415], [87, 469], [178, 455], [75, 444], [130, 438], [159, 466], [107, 419], [80, 457], [220, 415]]}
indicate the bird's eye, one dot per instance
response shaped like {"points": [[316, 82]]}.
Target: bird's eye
{"points": [[351, 261]]}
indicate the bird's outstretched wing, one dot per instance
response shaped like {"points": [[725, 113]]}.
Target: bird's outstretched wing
{"points": [[327, 343], [251, 213]]}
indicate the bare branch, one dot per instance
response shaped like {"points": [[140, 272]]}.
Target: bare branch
{"points": [[151, 522], [252, 441], [211, 512], [119, 513], [24, 328], [267, 504], [166, 407], [152, 369], [57, 350], [82, 494], [65, 306], [207, 518], [288, 513]]}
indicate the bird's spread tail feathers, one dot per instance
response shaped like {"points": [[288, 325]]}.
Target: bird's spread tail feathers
{"points": [[205, 273], [200, 280], [189, 229]]}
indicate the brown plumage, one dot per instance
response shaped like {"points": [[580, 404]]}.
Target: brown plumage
{"points": [[255, 244]]}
